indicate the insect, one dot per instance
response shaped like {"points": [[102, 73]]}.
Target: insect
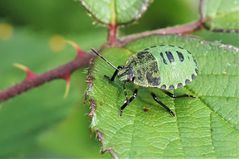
{"points": [[166, 67]]}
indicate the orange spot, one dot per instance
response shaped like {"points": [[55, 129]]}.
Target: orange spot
{"points": [[57, 43], [6, 31]]}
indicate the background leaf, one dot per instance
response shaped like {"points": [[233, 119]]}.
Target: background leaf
{"points": [[204, 127], [116, 11], [41, 122], [54, 19], [221, 14]]}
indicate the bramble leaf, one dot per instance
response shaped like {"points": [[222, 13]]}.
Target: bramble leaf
{"points": [[204, 127], [116, 11], [221, 14]]}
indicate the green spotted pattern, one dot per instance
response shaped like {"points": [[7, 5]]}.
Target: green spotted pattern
{"points": [[163, 66]]}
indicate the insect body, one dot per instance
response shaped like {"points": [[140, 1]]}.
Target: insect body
{"points": [[164, 66]]}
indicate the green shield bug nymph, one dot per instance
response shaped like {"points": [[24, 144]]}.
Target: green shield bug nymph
{"points": [[166, 67]]}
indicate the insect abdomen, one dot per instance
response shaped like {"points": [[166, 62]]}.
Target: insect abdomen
{"points": [[177, 66], [163, 66]]}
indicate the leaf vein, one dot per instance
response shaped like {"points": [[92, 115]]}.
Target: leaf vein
{"points": [[206, 104]]}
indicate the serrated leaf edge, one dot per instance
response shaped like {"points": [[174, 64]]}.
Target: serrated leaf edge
{"points": [[92, 114], [99, 133], [138, 16]]}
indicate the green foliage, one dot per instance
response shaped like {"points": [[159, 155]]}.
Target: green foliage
{"points": [[51, 16], [32, 123], [223, 14], [41, 124], [116, 11], [231, 39], [204, 127], [182, 11]]}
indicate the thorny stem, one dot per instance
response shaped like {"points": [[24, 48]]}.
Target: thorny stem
{"points": [[40, 79]]}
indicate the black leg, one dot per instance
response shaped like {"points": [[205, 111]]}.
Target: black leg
{"points": [[128, 101], [180, 96], [163, 105], [114, 75]]}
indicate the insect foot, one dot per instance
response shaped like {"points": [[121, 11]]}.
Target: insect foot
{"points": [[162, 104], [128, 101]]}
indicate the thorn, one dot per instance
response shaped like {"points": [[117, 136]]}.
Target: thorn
{"points": [[79, 52], [29, 74], [67, 78]]}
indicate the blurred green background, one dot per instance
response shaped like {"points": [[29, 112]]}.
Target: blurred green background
{"points": [[41, 123]]}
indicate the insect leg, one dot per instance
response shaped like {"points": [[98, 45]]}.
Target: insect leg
{"points": [[114, 75], [128, 101], [180, 96], [163, 105], [125, 91]]}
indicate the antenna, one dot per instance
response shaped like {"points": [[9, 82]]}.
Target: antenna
{"points": [[96, 52]]}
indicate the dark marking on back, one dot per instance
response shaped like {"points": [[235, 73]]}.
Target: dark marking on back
{"points": [[169, 56], [193, 76], [152, 46], [163, 87], [187, 81], [171, 87], [164, 61], [161, 45], [180, 56], [139, 75], [146, 49], [180, 47], [154, 67], [180, 85], [171, 45], [144, 56], [154, 81], [141, 54]]}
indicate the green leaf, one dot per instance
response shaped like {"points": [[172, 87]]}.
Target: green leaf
{"points": [[74, 133], [116, 11], [26, 118], [221, 14], [204, 127], [225, 38]]}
